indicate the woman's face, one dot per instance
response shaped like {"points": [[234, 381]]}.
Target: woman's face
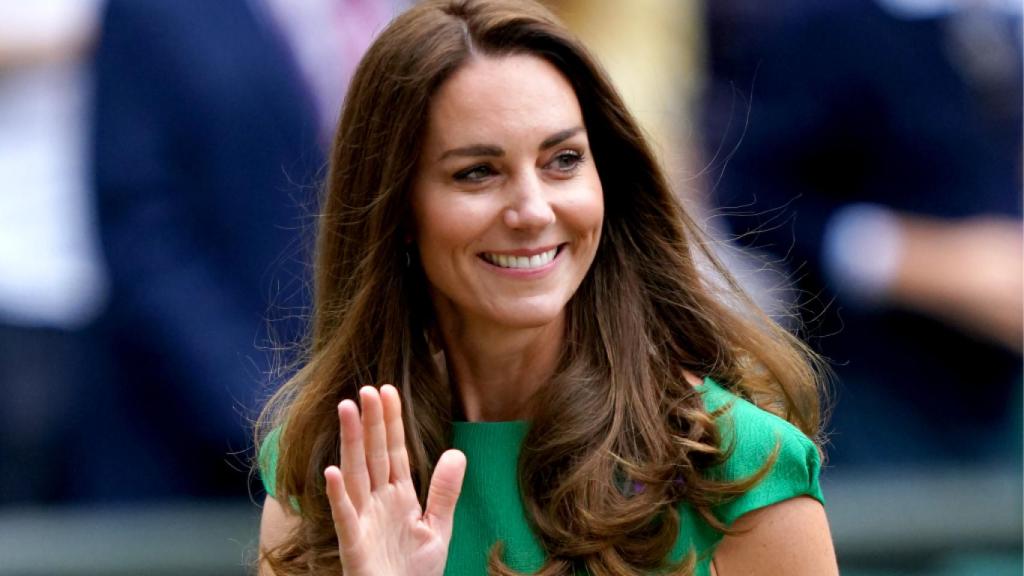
{"points": [[507, 201]]}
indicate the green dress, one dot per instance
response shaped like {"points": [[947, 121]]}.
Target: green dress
{"points": [[490, 508]]}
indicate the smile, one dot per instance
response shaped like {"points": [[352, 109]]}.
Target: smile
{"points": [[524, 262]]}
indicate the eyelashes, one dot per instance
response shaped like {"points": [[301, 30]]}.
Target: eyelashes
{"points": [[564, 164], [476, 173], [567, 161]]}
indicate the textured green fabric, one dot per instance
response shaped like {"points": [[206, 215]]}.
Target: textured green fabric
{"points": [[268, 460], [490, 508]]}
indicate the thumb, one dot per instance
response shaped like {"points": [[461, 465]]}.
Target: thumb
{"points": [[445, 487]]}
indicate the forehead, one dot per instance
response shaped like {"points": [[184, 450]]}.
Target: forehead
{"points": [[502, 96]]}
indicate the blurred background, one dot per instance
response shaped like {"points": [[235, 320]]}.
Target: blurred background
{"points": [[858, 163]]}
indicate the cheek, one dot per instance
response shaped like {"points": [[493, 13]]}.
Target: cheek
{"points": [[446, 229], [435, 246], [586, 213], [595, 212]]}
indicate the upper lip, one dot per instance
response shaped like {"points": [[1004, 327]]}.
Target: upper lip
{"points": [[522, 251]]}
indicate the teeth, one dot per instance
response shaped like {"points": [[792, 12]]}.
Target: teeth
{"points": [[535, 261]]}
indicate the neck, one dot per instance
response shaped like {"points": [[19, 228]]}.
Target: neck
{"points": [[496, 370]]}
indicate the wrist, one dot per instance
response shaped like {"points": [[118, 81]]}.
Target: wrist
{"points": [[863, 252]]}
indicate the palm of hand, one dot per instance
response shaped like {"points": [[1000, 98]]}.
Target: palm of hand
{"points": [[380, 526], [393, 537]]}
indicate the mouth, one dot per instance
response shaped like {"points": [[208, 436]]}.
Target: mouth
{"points": [[526, 261]]}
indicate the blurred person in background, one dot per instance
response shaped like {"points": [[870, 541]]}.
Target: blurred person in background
{"points": [[880, 152], [53, 284], [209, 132]]}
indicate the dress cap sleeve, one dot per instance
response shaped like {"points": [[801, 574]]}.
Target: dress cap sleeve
{"points": [[750, 436], [267, 461]]}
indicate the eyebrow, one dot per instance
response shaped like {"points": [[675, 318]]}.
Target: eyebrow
{"points": [[491, 150], [559, 137]]}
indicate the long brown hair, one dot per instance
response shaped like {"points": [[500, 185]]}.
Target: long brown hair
{"points": [[655, 303]]}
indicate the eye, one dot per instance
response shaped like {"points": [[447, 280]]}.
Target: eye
{"points": [[566, 161], [475, 173]]}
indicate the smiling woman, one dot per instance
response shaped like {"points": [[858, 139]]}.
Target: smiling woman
{"points": [[564, 390], [506, 228]]}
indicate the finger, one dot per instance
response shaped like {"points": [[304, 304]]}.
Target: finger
{"points": [[395, 432], [346, 520], [374, 437], [445, 487], [353, 460]]}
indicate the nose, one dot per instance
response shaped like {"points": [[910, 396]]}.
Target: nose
{"points": [[528, 205]]}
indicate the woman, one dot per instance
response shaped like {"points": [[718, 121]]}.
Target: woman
{"points": [[498, 245]]}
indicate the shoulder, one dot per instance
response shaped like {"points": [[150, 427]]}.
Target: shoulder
{"points": [[276, 523], [180, 34], [752, 439], [141, 15]]}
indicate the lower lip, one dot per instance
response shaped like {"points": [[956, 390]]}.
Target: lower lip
{"points": [[526, 272]]}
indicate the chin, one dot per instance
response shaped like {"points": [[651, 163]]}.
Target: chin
{"points": [[530, 315]]}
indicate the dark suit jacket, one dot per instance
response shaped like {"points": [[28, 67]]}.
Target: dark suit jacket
{"points": [[205, 149]]}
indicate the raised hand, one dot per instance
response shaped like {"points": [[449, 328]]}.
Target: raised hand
{"points": [[382, 531]]}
